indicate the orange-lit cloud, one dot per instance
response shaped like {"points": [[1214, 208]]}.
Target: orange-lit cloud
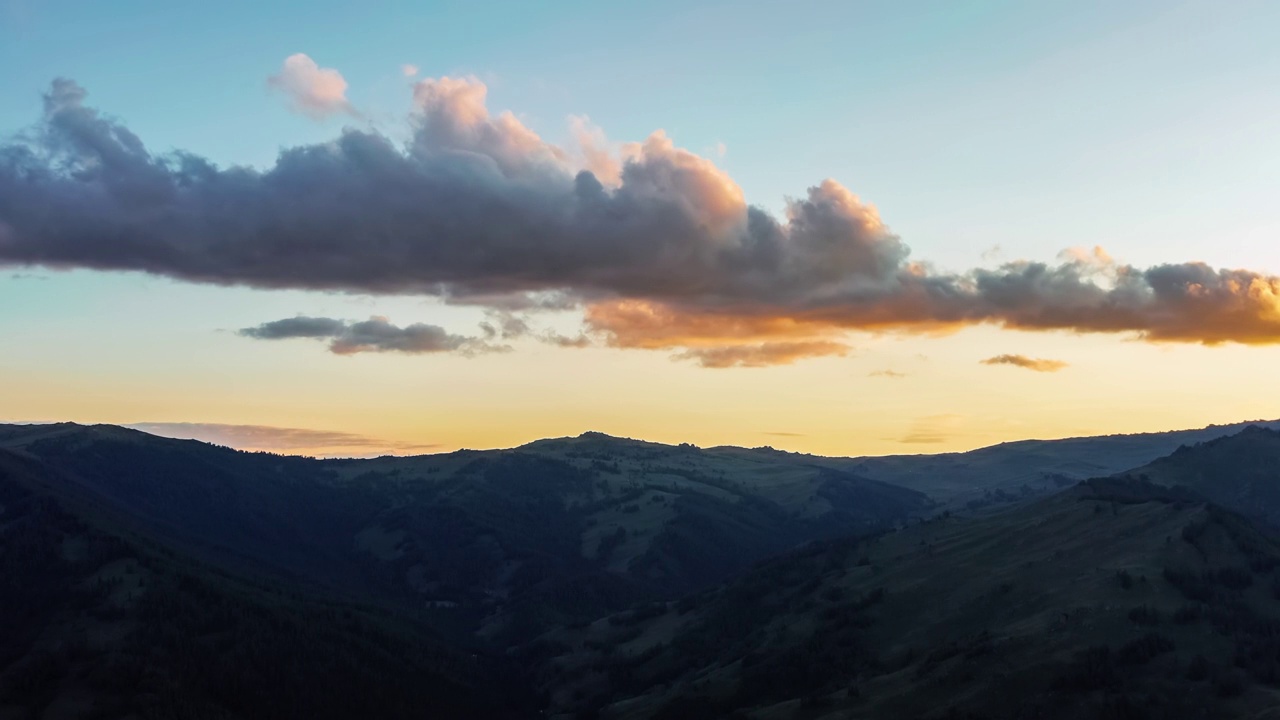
{"points": [[656, 245], [312, 90], [761, 354], [1022, 361]]}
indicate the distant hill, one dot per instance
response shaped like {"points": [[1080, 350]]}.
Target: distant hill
{"points": [[1115, 599], [98, 623], [601, 577], [1241, 472], [1028, 468], [507, 542]]}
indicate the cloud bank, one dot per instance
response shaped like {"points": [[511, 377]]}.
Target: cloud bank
{"points": [[1022, 361], [654, 244]]}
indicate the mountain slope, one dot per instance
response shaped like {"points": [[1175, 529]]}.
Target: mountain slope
{"points": [[1241, 472], [95, 623], [507, 542], [1113, 599], [1027, 468]]}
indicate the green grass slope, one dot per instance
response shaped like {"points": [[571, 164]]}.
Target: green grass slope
{"points": [[507, 543], [1112, 600]]}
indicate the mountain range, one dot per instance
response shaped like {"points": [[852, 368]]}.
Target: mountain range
{"points": [[605, 577]]}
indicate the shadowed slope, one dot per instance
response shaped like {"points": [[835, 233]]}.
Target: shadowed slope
{"points": [[98, 623], [509, 542], [1240, 472], [1110, 600]]}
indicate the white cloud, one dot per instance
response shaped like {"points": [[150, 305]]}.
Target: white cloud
{"points": [[312, 90]]}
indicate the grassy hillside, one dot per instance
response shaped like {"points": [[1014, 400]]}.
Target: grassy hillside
{"points": [[96, 623], [148, 577], [507, 542], [1241, 472], [1114, 599]]}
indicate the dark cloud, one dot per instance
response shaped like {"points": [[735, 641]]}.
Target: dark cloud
{"points": [[277, 439], [656, 243], [376, 334], [296, 327], [505, 325], [1022, 361], [580, 340]]}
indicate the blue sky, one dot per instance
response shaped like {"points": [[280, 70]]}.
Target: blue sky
{"points": [[982, 131], [968, 124]]}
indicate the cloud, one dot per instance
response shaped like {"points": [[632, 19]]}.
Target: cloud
{"points": [[409, 70], [505, 325], [892, 374], [1022, 361], [761, 354], [923, 438], [784, 434], [312, 90], [376, 334], [296, 327], [580, 340], [278, 439], [656, 246], [932, 429]]}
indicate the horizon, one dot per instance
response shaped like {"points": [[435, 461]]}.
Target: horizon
{"points": [[361, 234], [212, 434]]}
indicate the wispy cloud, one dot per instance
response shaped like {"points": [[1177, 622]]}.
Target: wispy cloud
{"points": [[932, 429], [378, 334], [281, 439], [892, 374], [761, 354], [1022, 361]]}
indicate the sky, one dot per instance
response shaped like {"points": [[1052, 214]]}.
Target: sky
{"points": [[845, 228]]}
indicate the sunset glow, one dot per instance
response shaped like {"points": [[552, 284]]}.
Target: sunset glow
{"points": [[416, 243]]}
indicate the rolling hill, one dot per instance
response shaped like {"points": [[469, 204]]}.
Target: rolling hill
{"points": [[600, 577], [1028, 468], [1115, 599], [96, 622], [1241, 472], [506, 542]]}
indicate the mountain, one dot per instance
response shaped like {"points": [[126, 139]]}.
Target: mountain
{"points": [[96, 622], [1114, 599], [597, 576], [1027, 468], [1241, 472], [506, 542]]}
